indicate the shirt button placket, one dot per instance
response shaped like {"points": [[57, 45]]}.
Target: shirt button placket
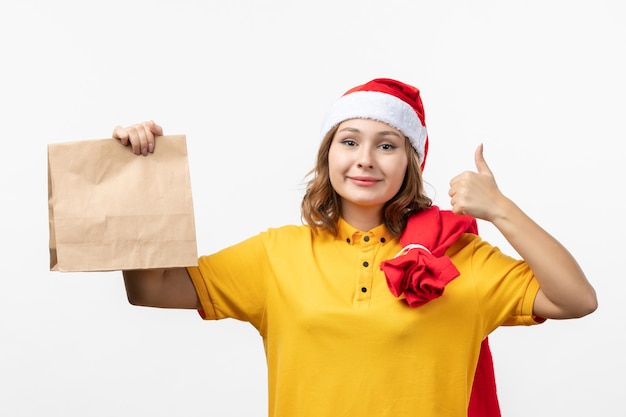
{"points": [[365, 274]]}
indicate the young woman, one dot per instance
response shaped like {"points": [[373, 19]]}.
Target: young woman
{"points": [[380, 305]]}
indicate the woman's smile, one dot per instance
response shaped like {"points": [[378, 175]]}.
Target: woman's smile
{"points": [[364, 181]]}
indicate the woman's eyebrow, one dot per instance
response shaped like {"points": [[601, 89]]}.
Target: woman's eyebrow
{"points": [[381, 133], [390, 132], [349, 129]]}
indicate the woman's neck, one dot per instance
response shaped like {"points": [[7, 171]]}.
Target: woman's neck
{"points": [[362, 218]]}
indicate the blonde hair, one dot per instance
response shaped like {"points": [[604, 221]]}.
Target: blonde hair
{"points": [[321, 205]]}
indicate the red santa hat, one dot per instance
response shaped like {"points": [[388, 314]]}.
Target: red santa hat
{"points": [[388, 101]]}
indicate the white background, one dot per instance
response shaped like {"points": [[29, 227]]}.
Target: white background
{"points": [[539, 82]]}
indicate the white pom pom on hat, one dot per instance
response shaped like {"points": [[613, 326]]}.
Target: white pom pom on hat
{"points": [[385, 100]]}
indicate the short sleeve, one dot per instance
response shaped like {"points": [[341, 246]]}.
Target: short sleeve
{"points": [[232, 283], [506, 287]]}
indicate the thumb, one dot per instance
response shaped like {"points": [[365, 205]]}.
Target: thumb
{"points": [[479, 160]]}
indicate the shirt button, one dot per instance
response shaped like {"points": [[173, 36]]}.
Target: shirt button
{"points": [[366, 264], [363, 289], [366, 238]]}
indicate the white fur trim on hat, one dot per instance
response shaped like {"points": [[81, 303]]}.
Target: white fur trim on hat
{"points": [[381, 107]]}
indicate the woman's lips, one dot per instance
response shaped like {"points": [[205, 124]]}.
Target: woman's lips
{"points": [[364, 181]]}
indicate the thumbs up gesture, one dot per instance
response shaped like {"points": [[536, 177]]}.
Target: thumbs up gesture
{"points": [[476, 193]]}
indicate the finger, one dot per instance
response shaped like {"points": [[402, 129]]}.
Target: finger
{"points": [[452, 191], [479, 160], [152, 130], [155, 128], [144, 141], [137, 138], [455, 208], [146, 138], [461, 179], [457, 179], [121, 134], [141, 137]]}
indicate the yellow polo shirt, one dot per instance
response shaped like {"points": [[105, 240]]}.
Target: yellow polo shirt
{"points": [[338, 343]]}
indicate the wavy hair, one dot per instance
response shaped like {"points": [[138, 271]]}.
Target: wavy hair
{"points": [[321, 205]]}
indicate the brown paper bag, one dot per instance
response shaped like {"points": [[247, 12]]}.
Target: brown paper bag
{"points": [[110, 209]]}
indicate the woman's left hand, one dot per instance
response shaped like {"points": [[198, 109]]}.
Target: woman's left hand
{"points": [[565, 292], [476, 193]]}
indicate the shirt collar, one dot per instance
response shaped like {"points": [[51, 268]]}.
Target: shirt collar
{"points": [[353, 236]]}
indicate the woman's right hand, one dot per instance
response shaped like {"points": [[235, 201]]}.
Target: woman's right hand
{"points": [[140, 136]]}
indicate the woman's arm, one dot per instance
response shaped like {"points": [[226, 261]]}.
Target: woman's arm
{"points": [[166, 288], [565, 291]]}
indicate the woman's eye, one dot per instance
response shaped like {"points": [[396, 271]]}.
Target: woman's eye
{"points": [[348, 142], [387, 147]]}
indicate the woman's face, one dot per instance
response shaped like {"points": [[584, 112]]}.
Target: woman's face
{"points": [[367, 161]]}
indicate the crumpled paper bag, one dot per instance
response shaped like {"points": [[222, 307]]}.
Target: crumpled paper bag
{"points": [[110, 209]]}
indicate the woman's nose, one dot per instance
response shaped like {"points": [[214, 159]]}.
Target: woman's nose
{"points": [[365, 157]]}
